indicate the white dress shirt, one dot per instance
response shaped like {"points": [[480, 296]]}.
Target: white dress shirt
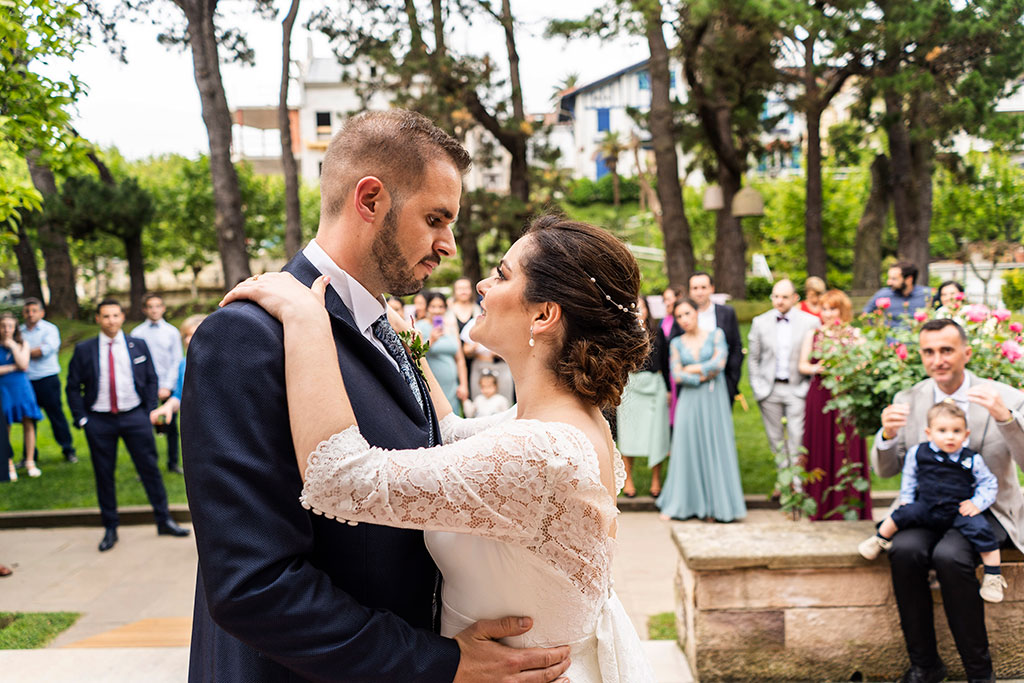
{"points": [[164, 342], [45, 336], [127, 397], [706, 319], [364, 307], [783, 345]]}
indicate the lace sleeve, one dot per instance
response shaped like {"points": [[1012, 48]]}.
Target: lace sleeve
{"points": [[455, 428], [496, 484]]}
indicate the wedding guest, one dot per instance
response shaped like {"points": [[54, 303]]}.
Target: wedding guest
{"points": [[463, 306], [703, 474], [396, 305], [774, 355], [43, 372], [903, 294], [946, 296], [814, 288], [7, 472], [419, 306], [164, 413], [825, 449], [711, 315], [16, 395], [642, 416], [111, 389], [445, 353], [164, 342], [488, 402], [669, 297], [995, 416]]}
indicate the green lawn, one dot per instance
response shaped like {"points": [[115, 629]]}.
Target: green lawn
{"points": [[28, 630]]}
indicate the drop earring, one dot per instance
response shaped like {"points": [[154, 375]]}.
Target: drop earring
{"points": [[531, 336]]}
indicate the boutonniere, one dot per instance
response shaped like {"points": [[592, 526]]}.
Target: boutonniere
{"points": [[416, 347]]}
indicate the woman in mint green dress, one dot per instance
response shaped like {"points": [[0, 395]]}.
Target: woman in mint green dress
{"points": [[703, 476], [445, 354]]}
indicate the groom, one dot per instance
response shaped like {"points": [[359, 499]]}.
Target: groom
{"points": [[282, 594]]}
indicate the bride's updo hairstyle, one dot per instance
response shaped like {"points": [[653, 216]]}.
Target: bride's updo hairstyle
{"points": [[595, 280]]}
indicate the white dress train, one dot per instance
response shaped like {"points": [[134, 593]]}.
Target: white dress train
{"points": [[517, 520]]}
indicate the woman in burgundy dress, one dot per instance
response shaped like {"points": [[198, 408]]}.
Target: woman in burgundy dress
{"points": [[821, 431]]}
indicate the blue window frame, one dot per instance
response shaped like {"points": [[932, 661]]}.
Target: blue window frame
{"points": [[643, 80], [602, 168], [603, 119]]}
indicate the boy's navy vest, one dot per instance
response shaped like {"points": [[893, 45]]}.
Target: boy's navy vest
{"points": [[940, 481]]}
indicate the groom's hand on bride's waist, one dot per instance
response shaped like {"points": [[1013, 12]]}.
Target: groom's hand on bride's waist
{"points": [[485, 659]]}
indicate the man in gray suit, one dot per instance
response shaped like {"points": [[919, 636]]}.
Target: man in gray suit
{"points": [[994, 416], [773, 356]]}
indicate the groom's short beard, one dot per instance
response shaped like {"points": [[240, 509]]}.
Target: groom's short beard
{"points": [[399, 280]]}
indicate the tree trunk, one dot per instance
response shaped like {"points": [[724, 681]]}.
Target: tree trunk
{"points": [[136, 274], [293, 222], [519, 171], [867, 249], [912, 166], [616, 190], [730, 243], [27, 268], [675, 228], [229, 221], [814, 237], [60, 272], [466, 239]]}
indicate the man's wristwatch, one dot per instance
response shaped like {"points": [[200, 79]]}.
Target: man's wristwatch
{"points": [[1014, 416]]}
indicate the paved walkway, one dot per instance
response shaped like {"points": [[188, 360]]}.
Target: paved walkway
{"points": [[136, 600]]}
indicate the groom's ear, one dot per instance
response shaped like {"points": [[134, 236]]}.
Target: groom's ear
{"points": [[371, 199]]}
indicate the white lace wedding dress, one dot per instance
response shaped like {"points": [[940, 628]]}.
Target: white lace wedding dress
{"points": [[517, 520]]}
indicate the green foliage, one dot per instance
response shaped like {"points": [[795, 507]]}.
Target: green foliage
{"points": [[629, 189], [31, 630], [759, 289], [1013, 289], [582, 192], [850, 480], [662, 626]]}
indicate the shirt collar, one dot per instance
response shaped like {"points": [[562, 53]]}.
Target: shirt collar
{"points": [[954, 456], [959, 396], [117, 339], [365, 307]]}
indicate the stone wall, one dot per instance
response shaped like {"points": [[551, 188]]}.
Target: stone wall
{"points": [[795, 602]]}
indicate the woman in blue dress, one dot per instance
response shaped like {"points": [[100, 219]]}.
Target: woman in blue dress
{"points": [[16, 394], [703, 476], [445, 355]]}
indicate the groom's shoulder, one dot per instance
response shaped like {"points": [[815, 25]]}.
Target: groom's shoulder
{"points": [[239, 321]]}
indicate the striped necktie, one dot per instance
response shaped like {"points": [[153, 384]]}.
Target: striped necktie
{"points": [[383, 331]]}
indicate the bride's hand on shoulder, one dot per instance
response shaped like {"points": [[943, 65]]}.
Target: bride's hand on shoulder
{"points": [[281, 295]]}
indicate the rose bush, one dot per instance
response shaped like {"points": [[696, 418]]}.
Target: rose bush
{"points": [[865, 364]]}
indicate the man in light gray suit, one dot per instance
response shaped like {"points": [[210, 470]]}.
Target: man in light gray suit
{"points": [[772, 357], [995, 416]]}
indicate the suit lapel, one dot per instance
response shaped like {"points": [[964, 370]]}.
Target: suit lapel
{"points": [[94, 360], [977, 418]]}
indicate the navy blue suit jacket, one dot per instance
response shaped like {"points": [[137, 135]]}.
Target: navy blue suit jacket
{"points": [[283, 594], [84, 373]]}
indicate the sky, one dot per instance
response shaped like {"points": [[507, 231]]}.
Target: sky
{"points": [[150, 106]]}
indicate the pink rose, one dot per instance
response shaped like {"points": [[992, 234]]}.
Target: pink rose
{"points": [[901, 351], [883, 302], [1012, 351], [920, 315], [1016, 327], [1001, 314], [977, 313], [959, 296]]}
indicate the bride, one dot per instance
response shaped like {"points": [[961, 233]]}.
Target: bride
{"points": [[519, 509]]}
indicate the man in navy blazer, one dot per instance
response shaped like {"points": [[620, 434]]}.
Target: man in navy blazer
{"points": [[111, 388], [283, 594]]}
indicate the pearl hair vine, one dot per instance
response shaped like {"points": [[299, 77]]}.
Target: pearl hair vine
{"points": [[631, 309]]}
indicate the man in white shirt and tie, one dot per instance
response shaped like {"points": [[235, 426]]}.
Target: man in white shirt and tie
{"points": [[111, 389], [773, 358], [164, 342]]}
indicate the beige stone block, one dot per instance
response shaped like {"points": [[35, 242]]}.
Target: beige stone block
{"points": [[765, 588], [841, 627], [736, 630]]}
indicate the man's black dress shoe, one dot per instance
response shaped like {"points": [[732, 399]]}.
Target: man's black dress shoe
{"points": [[171, 528], [176, 469], [109, 539], [917, 674]]}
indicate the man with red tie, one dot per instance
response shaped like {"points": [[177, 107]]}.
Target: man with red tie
{"points": [[111, 388]]}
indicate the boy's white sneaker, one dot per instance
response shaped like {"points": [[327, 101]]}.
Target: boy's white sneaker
{"points": [[992, 586], [871, 548]]}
